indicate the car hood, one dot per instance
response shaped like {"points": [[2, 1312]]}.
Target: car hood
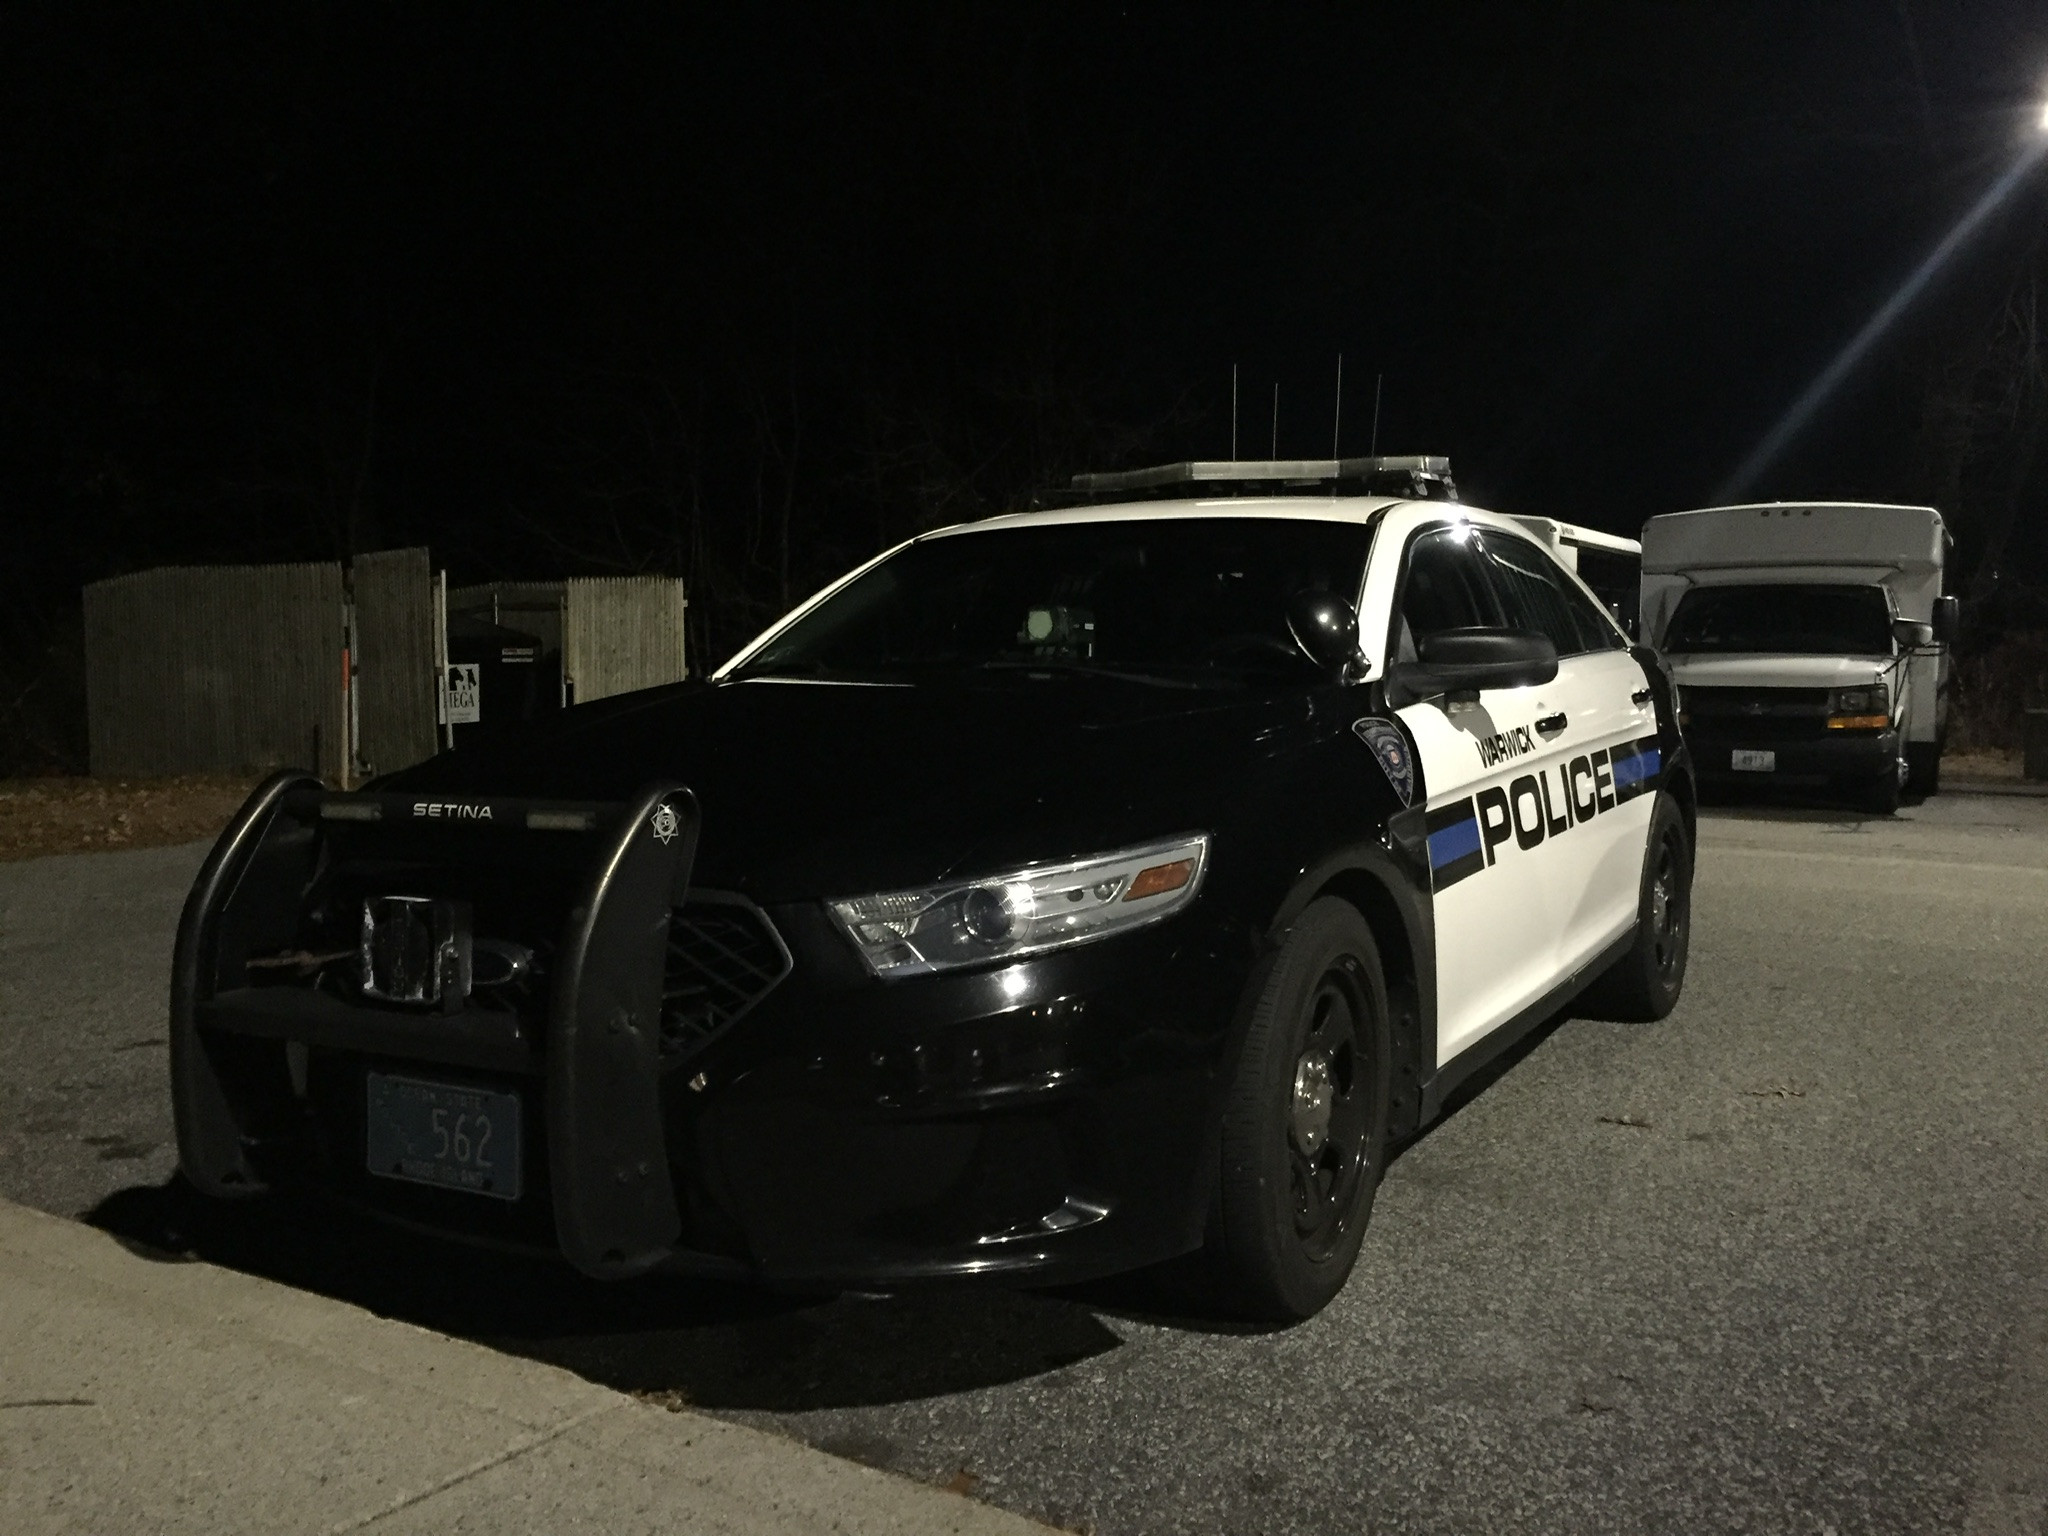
{"points": [[809, 790], [1768, 671]]}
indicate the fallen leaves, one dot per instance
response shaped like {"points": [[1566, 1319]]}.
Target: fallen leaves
{"points": [[77, 815], [665, 1397]]}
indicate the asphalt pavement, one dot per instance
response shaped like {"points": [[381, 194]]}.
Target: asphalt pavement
{"points": [[1774, 1264]]}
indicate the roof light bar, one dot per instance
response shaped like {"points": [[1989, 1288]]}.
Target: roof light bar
{"points": [[1431, 467]]}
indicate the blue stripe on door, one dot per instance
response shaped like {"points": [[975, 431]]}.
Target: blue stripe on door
{"points": [[1454, 842], [1454, 846]]}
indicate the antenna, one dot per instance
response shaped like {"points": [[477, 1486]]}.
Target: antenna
{"points": [[1378, 382], [1233, 413], [1337, 427], [1276, 420]]}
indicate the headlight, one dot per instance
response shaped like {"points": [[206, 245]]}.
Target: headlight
{"points": [[1860, 709], [941, 927]]}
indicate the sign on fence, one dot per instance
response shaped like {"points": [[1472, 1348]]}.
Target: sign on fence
{"points": [[465, 693]]}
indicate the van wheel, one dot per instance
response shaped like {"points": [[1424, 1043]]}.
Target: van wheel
{"points": [[1644, 984], [1305, 1124], [1923, 767], [1879, 795]]}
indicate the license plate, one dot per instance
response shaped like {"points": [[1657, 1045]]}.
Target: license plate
{"points": [[444, 1134], [1754, 762]]}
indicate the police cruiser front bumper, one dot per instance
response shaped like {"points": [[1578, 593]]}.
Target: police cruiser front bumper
{"points": [[694, 1082]]}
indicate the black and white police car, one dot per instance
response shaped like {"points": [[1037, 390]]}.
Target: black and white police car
{"points": [[1052, 896]]}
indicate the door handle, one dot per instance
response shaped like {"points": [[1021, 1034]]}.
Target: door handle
{"points": [[1640, 698], [1550, 725]]}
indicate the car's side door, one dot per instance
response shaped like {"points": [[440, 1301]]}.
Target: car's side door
{"points": [[1496, 936], [1598, 728]]}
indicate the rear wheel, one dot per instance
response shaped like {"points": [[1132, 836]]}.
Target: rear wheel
{"points": [[1644, 984], [1305, 1129]]}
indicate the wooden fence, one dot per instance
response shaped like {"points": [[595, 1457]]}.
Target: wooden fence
{"points": [[222, 669], [395, 659], [217, 669], [620, 633]]}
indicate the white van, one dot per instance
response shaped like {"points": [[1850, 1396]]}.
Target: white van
{"points": [[1809, 640]]}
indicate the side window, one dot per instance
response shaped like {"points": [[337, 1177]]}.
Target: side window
{"points": [[1538, 596], [1443, 588]]}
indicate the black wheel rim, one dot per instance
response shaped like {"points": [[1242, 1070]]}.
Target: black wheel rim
{"points": [[1329, 1118], [1667, 909]]}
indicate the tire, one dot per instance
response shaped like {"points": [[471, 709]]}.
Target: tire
{"points": [[1644, 984], [1923, 768], [1879, 796], [1304, 1125]]}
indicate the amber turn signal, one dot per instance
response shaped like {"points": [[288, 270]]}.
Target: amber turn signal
{"points": [[1160, 878], [1858, 722]]}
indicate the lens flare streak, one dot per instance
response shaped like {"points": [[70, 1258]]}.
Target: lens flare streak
{"points": [[1830, 378]]}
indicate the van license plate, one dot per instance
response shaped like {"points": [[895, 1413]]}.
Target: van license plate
{"points": [[443, 1134], [1754, 762]]}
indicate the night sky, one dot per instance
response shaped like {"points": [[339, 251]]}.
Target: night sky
{"points": [[743, 293]]}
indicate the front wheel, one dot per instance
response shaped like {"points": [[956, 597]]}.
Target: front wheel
{"points": [[1923, 768], [1305, 1127], [1643, 985], [1879, 796]]}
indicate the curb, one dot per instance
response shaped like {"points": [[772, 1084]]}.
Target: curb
{"points": [[157, 1394]]}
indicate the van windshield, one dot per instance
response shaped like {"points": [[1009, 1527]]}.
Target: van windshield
{"points": [[1784, 620]]}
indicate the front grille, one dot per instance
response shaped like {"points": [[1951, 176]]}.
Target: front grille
{"points": [[724, 956], [1776, 714]]}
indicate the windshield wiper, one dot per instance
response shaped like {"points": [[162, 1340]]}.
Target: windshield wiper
{"points": [[1083, 669]]}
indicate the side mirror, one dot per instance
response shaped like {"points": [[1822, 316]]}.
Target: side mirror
{"points": [[1911, 633], [1460, 662], [1325, 626], [1948, 619]]}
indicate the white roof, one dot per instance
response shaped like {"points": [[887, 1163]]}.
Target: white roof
{"points": [[1573, 535], [1795, 533]]}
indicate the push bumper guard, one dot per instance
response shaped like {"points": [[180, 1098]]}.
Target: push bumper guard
{"points": [[597, 1056]]}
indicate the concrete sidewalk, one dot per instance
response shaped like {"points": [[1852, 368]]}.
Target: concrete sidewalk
{"points": [[153, 1394]]}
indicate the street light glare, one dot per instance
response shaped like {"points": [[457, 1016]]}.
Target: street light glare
{"points": [[2044, 117]]}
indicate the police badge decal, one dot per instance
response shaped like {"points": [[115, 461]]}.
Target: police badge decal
{"points": [[664, 822], [1390, 748]]}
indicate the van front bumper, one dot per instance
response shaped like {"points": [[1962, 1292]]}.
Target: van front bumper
{"points": [[1804, 759]]}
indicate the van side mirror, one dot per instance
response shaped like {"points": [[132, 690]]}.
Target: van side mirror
{"points": [[1325, 626], [1948, 619], [1460, 662], [1911, 633]]}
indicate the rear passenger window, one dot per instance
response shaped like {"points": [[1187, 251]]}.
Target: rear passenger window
{"points": [[1537, 595]]}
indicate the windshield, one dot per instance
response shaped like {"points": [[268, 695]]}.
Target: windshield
{"points": [[1190, 601], [1786, 620]]}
